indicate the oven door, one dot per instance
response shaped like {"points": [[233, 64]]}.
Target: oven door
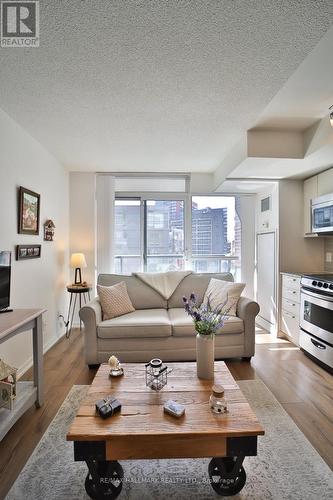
{"points": [[316, 315], [322, 217]]}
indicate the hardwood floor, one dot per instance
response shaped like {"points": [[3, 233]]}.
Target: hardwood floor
{"points": [[304, 390]]}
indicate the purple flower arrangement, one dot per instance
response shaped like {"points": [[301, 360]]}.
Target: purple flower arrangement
{"points": [[207, 321]]}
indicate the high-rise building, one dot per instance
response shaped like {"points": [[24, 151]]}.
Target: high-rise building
{"points": [[210, 231]]}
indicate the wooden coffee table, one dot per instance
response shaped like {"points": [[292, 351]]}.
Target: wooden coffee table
{"points": [[143, 431]]}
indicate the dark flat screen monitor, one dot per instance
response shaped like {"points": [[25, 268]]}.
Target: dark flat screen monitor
{"points": [[5, 268]]}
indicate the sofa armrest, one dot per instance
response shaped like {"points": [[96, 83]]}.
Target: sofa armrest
{"points": [[247, 310], [91, 315]]}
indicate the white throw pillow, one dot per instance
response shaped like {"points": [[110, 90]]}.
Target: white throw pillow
{"points": [[114, 300], [219, 290]]}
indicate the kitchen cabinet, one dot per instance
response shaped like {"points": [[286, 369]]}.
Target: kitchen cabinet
{"points": [[325, 182], [290, 306], [310, 191]]}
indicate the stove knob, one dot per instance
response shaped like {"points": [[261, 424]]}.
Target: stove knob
{"points": [[314, 283], [320, 284], [325, 285], [331, 287]]}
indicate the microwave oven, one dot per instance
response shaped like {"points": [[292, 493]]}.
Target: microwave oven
{"points": [[322, 214]]}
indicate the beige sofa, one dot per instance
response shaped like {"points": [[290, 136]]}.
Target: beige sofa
{"points": [[161, 328]]}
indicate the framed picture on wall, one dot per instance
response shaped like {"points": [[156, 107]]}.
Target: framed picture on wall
{"points": [[28, 251], [29, 211]]}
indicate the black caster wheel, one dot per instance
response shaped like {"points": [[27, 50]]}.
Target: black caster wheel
{"points": [[106, 482], [227, 478]]}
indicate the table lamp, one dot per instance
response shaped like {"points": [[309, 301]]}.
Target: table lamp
{"points": [[78, 260]]}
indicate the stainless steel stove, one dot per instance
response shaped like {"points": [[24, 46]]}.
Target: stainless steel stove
{"points": [[316, 317]]}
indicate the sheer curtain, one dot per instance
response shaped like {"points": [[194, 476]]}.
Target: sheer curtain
{"points": [[105, 195]]}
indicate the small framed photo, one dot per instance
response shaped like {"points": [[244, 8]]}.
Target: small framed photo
{"points": [[28, 251], [6, 395], [29, 211]]}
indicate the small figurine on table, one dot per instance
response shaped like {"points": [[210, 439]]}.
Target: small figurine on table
{"points": [[115, 368]]}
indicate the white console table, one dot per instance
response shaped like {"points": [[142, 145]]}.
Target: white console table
{"points": [[28, 393]]}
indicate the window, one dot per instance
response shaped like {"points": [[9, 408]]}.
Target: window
{"points": [[149, 235], [216, 235], [127, 236], [154, 235], [165, 235]]}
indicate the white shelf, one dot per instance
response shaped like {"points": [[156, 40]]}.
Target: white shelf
{"points": [[26, 397]]}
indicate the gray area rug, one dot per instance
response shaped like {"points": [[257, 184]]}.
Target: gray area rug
{"points": [[287, 466]]}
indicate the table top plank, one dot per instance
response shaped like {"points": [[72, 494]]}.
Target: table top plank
{"points": [[11, 321], [142, 409]]}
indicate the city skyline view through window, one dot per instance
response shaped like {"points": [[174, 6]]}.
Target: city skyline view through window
{"points": [[152, 235]]}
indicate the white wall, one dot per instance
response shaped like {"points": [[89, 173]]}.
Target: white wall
{"points": [[269, 220], [297, 254], [40, 282]]}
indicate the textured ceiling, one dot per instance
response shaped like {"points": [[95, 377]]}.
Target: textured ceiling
{"points": [[155, 85]]}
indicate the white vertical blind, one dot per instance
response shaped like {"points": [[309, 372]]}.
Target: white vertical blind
{"points": [[105, 195]]}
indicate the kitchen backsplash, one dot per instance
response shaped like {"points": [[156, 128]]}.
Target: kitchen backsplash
{"points": [[329, 249]]}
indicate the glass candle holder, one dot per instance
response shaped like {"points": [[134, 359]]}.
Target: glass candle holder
{"points": [[156, 374], [217, 402]]}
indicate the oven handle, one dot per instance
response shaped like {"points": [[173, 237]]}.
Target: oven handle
{"points": [[317, 295], [322, 347]]}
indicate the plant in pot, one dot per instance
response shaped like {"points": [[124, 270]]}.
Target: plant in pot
{"points": [[207, 321]]}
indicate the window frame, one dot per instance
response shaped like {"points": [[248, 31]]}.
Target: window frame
{"points": [[187, 199]]}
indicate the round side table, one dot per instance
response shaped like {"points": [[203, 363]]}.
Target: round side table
{"points": [[84, 293]]}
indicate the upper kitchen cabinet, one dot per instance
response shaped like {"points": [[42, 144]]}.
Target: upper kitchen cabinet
{"points": [[325, 182], [317, 185], [310, 191]]}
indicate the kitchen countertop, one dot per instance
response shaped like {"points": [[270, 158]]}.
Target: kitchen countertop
{"points": [[301, 274], [292, 274]]}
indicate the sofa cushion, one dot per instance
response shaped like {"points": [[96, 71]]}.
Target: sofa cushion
{"points": [[219, 292], [142, 323], [196, 283], [114, 300], [182, 324], [141, 295]]}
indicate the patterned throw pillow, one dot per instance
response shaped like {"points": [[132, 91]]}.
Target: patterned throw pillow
{"points": [[219, 290], [114, 300]]}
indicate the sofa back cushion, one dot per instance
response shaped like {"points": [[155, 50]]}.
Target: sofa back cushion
{"points": [[196, 283], [142, 296]]}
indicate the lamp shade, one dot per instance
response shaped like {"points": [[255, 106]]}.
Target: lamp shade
{"points": [[78, 260]]}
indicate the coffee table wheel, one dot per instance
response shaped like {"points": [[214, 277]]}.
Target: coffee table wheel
{"points": [[227, 475], [104, 480]]}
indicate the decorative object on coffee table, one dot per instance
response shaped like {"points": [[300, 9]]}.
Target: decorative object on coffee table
{"points": [[156, 374], [115, 368], [217, 402], [108, 406], [207, 321]]}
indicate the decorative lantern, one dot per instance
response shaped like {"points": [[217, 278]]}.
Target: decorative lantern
{"points": [[8, 385], [156, 374], [49, 230]]}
